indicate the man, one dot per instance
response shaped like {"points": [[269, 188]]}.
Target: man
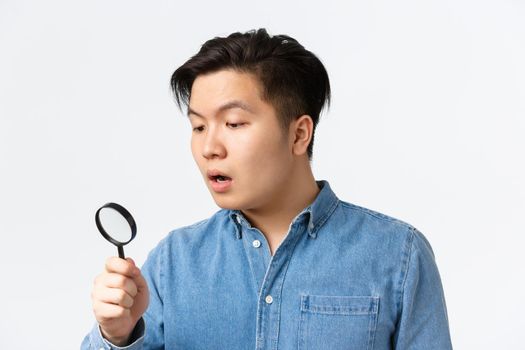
{"points": [[284, 264]]}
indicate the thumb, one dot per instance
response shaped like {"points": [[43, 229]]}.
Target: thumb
{"points": [[131, 261], [140, 281]]}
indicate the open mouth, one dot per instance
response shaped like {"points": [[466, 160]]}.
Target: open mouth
{"points": [[220, 178], [216, 175], [219, 182]]}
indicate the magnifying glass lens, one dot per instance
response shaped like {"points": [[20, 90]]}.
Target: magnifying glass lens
{"points": [[115, 224]]}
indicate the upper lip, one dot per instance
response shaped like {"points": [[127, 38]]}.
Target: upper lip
{"points": [[212, 173]]}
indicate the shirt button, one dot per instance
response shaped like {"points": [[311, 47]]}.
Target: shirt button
{"points": [[256, 243], [268, 299]]}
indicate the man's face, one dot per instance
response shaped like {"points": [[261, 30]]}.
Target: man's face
{"points": [[237, 134]]}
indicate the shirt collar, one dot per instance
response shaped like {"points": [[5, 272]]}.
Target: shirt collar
{"points": [[318, 212]]}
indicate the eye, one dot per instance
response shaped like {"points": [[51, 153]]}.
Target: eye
{"points": [[235, 125], [198, 128]]}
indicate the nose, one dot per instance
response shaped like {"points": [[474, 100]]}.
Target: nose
{"points": [[213, 146]]}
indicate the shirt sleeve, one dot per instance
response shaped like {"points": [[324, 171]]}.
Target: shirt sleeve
{"points": [[423, 322], [153, 271], [95, 341]]}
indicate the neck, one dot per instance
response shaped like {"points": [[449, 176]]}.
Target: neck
{"points": [[295, 194]]}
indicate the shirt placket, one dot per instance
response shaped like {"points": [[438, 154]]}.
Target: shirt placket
{"points": [[258, 254], [269, 296]]}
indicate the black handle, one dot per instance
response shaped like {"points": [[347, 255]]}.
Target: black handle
{"points": [[121, 252]]}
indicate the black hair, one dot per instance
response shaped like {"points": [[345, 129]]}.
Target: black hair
{"points": [[293, 79]]}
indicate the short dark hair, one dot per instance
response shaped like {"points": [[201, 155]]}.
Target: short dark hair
{"points": [[293, 79]]}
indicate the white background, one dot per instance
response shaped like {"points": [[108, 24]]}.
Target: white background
{"points": [[427, 125]]}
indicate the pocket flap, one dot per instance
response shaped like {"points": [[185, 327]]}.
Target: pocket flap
{"points": [[340, 305]]}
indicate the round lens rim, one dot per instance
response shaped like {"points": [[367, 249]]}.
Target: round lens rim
{"points": [[126, 214]]}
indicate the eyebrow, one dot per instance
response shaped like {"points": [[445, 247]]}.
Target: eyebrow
{"points": [[228, 105]]}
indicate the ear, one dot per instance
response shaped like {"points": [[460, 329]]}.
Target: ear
{"points": [[302, 130]]}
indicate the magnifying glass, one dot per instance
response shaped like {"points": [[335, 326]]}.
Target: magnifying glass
{"points": [[116, 225]]}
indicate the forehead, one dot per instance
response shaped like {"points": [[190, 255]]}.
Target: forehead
{"points": [[212, 90]]}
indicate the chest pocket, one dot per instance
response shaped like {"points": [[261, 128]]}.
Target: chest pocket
{"points": [[337, 322]]}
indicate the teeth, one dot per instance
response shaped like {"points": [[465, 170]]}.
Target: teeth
{"points": [[221, 179]]}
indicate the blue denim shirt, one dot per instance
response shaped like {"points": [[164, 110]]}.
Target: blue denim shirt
{"points": [[344, 277]]}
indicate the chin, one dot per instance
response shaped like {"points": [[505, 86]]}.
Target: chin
{"points": [[227, 203]]}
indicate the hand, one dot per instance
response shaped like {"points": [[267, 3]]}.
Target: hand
{"points": [[120, 297]]}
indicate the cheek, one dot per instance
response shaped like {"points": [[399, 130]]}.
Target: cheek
{"points": [[261, 153], [193, 148], [195, 152]]}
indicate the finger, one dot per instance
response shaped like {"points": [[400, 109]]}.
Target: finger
{"points": [[140, 282], [115, 280], [106, 311], [116, 296], [121, 266]]}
